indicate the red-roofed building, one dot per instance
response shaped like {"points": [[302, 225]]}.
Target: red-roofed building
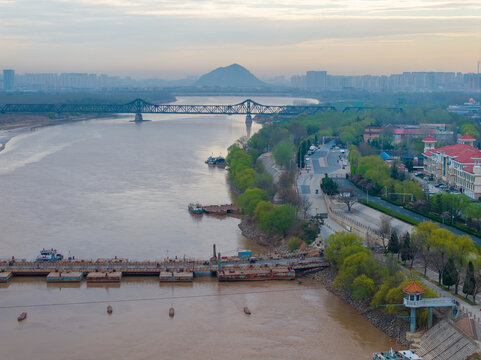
{"points": [[458, 166]]}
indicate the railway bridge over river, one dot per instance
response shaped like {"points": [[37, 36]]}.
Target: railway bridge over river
{"points": [[247, 107]]}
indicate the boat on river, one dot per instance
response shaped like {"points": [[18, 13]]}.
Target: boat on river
{"points": [[218, 161], [396, 355], [49, 255], [195, 208], [22, 316]]}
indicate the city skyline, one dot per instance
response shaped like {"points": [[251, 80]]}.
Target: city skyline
{"points": [[175, 39]]}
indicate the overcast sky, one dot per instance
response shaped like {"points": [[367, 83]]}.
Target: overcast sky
{"points": [[176, 38]]}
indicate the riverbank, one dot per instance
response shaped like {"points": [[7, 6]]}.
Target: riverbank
{"points": [[391, 325], [12, 125]]}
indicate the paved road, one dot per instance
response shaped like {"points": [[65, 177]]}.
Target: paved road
{"points": [[401, 210], [308, 182]]}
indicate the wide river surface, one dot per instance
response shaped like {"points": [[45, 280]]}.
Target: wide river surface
{"points": [[110, 187]]}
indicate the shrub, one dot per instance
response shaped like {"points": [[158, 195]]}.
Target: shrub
{"points": [[293, 243]]}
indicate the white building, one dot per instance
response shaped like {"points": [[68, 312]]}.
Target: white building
{"points": [[457, 166]]}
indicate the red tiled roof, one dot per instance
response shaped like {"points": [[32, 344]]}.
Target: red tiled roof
{"points": [[413, 288], [469, 169], [466, 137], [413, 131], [429, 139], [462, 153]]}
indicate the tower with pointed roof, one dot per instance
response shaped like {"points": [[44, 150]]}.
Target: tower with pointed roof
{"points": [[466, 139], [414, 300], [429, 143]]}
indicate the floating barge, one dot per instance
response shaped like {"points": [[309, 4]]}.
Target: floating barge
{"points": [[257, 274], [221, 209], [5, 276], [104, 277], [167, 276], [65, 276]]}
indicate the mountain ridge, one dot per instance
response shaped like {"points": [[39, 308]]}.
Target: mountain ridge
{"points": [[232, 76]]}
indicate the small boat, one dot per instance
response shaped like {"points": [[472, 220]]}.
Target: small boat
{"points": [[246, 310], [196, 208], [22, 316], [216, 161], [109, 309], [49, 255], [171, 312]]}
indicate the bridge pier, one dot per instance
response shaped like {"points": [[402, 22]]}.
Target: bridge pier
{"points": [[138, 117], [248, 125]]}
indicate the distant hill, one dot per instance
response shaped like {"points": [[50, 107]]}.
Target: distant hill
{"points": [[232, 76]]}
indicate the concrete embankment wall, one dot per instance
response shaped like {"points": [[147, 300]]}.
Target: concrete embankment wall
{"points": [[444, 341], [352, 225]]}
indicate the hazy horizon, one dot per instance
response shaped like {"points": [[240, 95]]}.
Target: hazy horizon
{"points": [[175, 39]]}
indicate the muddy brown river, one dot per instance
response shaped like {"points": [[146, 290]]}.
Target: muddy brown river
{"points": [[108, 187]]}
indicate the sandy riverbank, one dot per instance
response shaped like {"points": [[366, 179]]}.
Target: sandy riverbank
{"points": [[12, 125]]}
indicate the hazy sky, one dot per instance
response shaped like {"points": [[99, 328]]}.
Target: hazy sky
{"points": [[175, 38]]}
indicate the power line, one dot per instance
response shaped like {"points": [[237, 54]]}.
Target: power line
{"points": [[149, 299]]}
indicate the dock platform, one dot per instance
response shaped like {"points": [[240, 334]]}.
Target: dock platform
{"points": [[104, 277], [5, 276], [167, 276], [65, 276]]}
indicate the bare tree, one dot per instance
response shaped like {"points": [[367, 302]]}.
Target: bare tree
{"points": [[306, 205], [385, 229], [347, 197]]}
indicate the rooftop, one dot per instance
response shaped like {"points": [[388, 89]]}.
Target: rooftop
{"points": [[413, 288], [462, 153], [429, 139], [466, 137]]}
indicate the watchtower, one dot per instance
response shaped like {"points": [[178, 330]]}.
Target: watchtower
{"points": [[414, 299]]}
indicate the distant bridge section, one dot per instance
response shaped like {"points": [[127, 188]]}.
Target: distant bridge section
{"points": [[139, 106]]}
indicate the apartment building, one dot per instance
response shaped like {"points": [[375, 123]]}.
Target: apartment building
{"points": [[457, 166]]}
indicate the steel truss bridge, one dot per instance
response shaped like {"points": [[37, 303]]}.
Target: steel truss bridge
{"points": [[139, 106]]}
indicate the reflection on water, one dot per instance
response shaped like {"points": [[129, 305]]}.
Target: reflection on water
{"points": [[107, 187]]}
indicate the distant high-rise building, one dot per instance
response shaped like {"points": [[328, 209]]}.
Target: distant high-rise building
{"points": [[316, 80], [8, 79]]}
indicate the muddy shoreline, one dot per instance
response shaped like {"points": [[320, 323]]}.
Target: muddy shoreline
{"points": [[15, 125], [391, 325]]}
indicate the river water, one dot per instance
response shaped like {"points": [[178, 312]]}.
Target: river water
{"points": [[110, 187]]}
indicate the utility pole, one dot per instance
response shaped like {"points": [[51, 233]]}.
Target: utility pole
{"points": [[452, 195]]}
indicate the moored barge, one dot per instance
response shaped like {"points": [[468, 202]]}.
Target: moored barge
{"points": [[167, 276], [5, 276], [104, 277], [65, 276], [257, 274]]}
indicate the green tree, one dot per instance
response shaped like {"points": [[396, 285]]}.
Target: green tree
{"points": [[329, 186], [283, 153], [278, 220], [450, 274], [340, 245], [469, 286], [250, 198], [261, 208], [419, 241], [363, 287], [393, 245], [355, 265], [405, 248]]}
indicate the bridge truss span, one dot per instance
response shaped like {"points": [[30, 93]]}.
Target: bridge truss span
{"points": [[139, 106]]}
